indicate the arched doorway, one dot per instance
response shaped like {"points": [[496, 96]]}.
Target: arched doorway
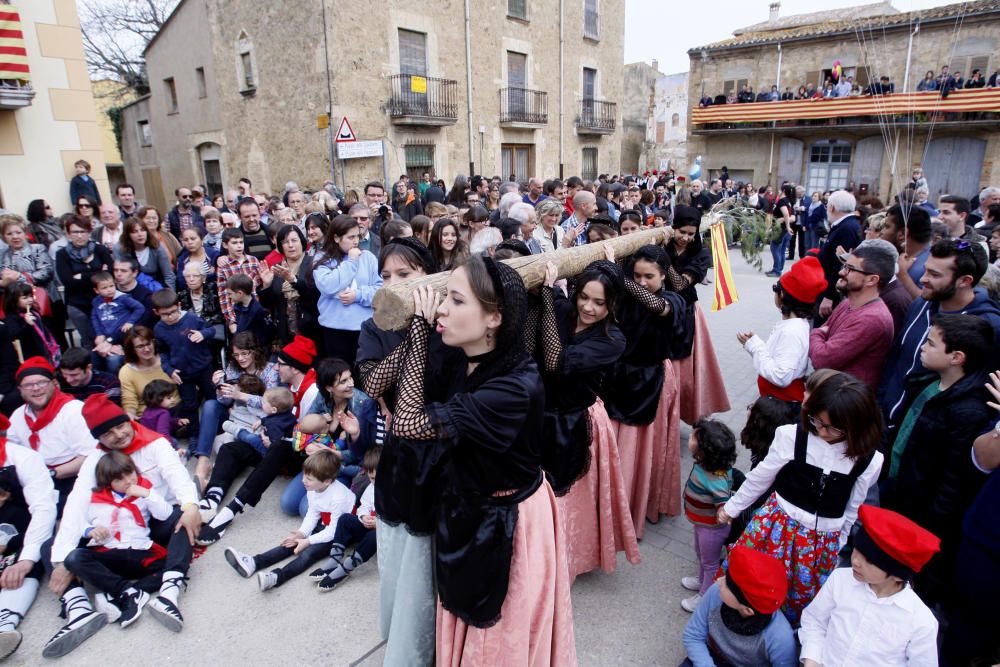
{"points": [[210, 159]]}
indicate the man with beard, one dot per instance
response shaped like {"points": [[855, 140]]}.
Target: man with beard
{"points": [[952, 271], [858, 334]]}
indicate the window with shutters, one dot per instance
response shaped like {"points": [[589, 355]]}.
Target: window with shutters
{"points": [[967, 64], [591, 20], [588, 169], [517, 75], [517, 161], [517, 9], [661, 131], [412, 53], [733, 86]]}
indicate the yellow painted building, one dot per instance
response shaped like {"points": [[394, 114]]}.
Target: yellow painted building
{"points": [[48, 126]]}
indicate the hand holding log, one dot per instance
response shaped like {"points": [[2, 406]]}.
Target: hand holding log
{"points": [[394, 305]]}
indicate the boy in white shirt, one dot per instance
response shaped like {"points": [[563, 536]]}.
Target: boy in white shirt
{"points": [[120, 559], [359, 527], [328, 499], [868, 614]]}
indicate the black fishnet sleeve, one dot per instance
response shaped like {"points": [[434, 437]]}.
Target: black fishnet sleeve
{"points": [[378, 377], [651, 302], [410, 419], [676, 280], [551, 344], [531, 327]]}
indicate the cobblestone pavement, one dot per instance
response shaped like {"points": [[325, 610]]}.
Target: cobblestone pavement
{"points": [[629, 617]]}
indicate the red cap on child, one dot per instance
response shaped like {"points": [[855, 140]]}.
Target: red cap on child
{"points": [[761, 579], [893, 542], [805, 280]]}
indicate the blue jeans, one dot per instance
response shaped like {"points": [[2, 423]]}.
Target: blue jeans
{"points": [[213, 414], [779, 250], [110, 364], [812, 239]]}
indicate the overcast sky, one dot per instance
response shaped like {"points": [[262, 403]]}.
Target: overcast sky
{"points": [[664, 31]]}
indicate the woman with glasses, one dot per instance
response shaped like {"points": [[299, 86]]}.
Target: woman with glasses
{"points": [[142, 366], [86, 207], [76, 263], [821, 470]]}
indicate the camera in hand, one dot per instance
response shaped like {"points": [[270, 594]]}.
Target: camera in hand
{"points": [[383, 210]]}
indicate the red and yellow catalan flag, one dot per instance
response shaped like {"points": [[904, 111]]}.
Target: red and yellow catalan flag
{"points": [[725, 288], [13, 55]]}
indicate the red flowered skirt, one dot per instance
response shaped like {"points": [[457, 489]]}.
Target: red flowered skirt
{"points": [[809, 555]]}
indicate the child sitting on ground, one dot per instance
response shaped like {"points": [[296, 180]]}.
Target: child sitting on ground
{"points": [[736, 622], [328, 499], [121, 561], [868, 614], [359, 526], [160, 397], [278, 422], [709, 485], [112, 315]]}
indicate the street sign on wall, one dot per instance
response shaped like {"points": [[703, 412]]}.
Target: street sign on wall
{"points": [[356, 149]]}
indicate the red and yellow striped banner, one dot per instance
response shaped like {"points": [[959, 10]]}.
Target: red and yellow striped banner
{"points": [[977, 99], [725, 287], [13, 55]]}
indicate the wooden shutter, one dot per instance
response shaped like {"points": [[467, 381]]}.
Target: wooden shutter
{"points": [[412, 53], [517, 65]]}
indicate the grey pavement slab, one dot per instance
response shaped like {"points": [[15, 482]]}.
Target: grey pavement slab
{"points": [[629, 617]]}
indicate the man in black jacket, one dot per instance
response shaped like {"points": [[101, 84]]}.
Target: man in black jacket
{"points": [[844, 236]]}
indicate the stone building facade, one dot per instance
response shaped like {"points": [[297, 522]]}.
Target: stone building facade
{"points": [[639, 81], [957, 151], [47, 120], [665, 144], [242, 88]]}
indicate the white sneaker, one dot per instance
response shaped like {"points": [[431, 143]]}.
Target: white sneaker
{"points": [[267, 580], [691, 583], [691, 603], [241, 562], [106, 605]]}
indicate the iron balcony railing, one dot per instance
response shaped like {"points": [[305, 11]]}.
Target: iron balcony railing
{"points": [[423, 96], [597, 115], [521, 105]]}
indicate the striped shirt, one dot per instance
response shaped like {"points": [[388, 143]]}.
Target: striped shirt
{"points": [[704, 492], [227, 268]]}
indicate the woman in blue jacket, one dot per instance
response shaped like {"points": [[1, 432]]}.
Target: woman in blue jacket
{"points": [[346, 278]]}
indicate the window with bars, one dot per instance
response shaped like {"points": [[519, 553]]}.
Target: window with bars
{"points": [[419, 158], [517, 9], [588, 170], [591, 19]]}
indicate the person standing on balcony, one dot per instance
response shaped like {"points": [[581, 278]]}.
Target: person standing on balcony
{"points": [[843, 87]]}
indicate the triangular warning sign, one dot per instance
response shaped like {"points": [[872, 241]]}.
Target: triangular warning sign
{"points": [[345, 133]]}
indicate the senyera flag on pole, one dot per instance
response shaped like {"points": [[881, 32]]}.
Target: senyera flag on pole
{"points": [[725, 287], [13, 56]]}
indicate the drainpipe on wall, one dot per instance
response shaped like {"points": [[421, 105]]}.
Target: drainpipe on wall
{"points": [[562, 46], [468, 84]]}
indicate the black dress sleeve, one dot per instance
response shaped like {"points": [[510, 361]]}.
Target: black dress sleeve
{"points": [[651, 302], [552, 347], [411, 420], [379, 371]]}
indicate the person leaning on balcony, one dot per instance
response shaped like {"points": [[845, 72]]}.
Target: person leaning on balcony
{"points": [[929, 82], [976, 80], [994, 79], [843, 87], [788, 94]]}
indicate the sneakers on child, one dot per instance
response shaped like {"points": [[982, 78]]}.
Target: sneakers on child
{"points": [[267, 580], [131, 603], [105, 604], [231, 427], [241, 562], [209, 505], [691, 603], [691, 583]]}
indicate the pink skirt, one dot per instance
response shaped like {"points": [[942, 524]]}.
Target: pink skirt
{"points": [[651, 458], [703, 391], [536, 620], [594, 515]]}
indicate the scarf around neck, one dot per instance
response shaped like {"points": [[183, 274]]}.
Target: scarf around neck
{"points": [[45, 417], [81, 254]]}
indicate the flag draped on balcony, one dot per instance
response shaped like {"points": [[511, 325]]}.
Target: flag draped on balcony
{"points": [[980, 99], [725, 288], [13, 56]]}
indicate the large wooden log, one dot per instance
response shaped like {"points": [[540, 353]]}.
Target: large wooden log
{"points": [[394, 305]]}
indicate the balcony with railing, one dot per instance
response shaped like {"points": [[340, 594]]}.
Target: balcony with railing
{"points": [[422, 100], [521, 107], [973, 107], [596, 117]]}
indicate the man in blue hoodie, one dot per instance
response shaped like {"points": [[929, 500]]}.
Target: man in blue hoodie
{"points": [[953, 270]]}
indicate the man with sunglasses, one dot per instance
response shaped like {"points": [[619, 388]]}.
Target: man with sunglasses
{"points": [[859, 332], [949, 285], [184, 215]]}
